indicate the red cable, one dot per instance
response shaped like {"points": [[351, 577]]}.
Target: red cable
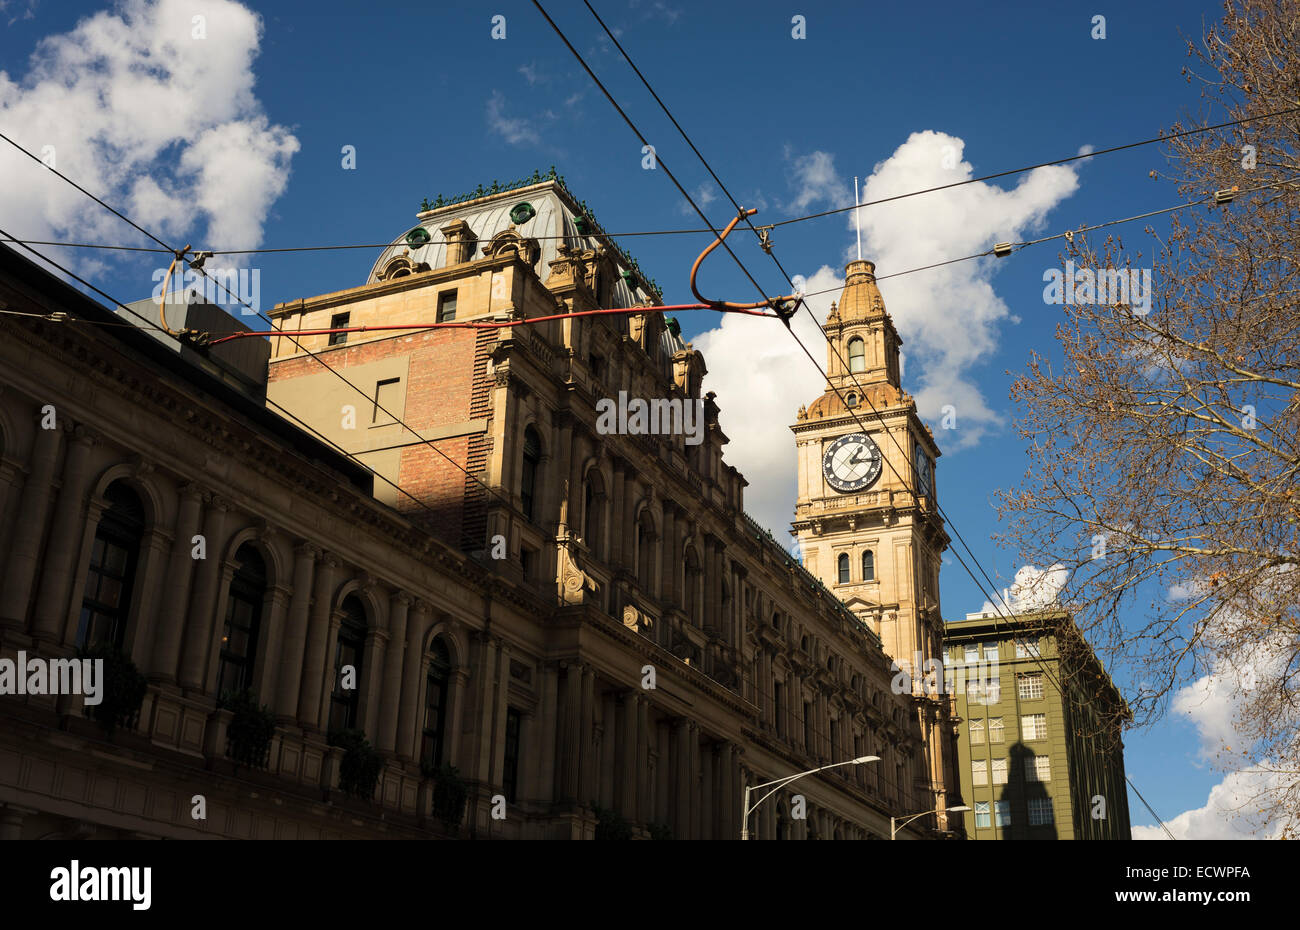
{"points": [[468, 325]]}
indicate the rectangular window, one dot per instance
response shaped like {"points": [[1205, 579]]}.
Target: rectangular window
{"points": [[972, 652], [979, 772], [446, 306], [1002, 811], [526, 562], [387, 394], [1030, 686], [1038, 768], [1027, 648], [977, 731], [992, 690], [807, 728], [1040, 811], [510, 768], [997, 734], [999, 771], [777, 704], [981, 813], [991, 651], [973, 690], [1033, 726], [339, 321]]}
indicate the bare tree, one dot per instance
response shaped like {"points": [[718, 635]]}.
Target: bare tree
{"points": [[1163, 445]]}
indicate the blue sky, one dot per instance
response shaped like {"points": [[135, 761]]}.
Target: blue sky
{"points": [[245, 150]]}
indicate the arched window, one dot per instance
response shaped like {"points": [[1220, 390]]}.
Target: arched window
{"points": [[435, 703], [843, 563], [111, 576], [593, 513], [857, 355], [868, 566], [528, 480], [243, 622], [349, 650], [692, 578], [851, 399], [644, 548]]}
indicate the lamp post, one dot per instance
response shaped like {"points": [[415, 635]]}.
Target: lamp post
{"points": [[782, 782], [894, 824]]}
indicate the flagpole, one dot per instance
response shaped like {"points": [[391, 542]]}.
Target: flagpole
{"points": [[857, 220]]}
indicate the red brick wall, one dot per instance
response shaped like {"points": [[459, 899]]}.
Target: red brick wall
{"points": [[440, 380]]}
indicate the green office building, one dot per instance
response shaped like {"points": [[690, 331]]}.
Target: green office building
{"points": [[1036, 763]]}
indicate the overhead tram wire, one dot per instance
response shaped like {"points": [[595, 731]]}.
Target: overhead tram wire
{"points": [[314, 356], [987, 253], [741, 212], [697, 209], [150, 323], [789, 280], [1017, 246]]}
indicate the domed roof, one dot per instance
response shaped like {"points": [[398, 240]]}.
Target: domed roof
{"points": [[861, 298], [552, 222]]}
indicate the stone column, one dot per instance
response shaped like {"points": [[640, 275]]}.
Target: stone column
{"points": [[569, 748], [548, 719], [620, 531], [373, 664], [682, 778], [198, 636], [405, 743], [33, 506], [669, 585], [679, 572], [663, 773], [484, 674], [294, 644], [65, 536], [500, 706], [267, 664], [641, 759], [625, 795], [318, 640], [727, 828], [176, 589], [608, 742], [390, 700], [708, 823], [586, 743]]}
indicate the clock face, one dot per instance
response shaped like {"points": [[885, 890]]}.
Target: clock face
{"points": [[851, 462]]}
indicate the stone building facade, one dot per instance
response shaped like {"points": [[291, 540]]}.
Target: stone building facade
{"points": [[586, 626]]}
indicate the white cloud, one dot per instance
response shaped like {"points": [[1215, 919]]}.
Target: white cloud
{"points": [[761, 375], [816, 181], [1228, 813], [515, 130], [703, 195], [1212, 704], [762, 378], [949, 317], [161, 125]]}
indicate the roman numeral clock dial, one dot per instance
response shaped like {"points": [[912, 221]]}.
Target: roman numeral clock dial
{"points": [[852, 462]]}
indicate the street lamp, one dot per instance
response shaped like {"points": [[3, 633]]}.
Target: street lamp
{"points": [[893, 825], [782, 782]]}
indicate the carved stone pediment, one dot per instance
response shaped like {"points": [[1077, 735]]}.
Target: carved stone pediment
{"points": [[509, 242], [400, 266], [637, 621]]}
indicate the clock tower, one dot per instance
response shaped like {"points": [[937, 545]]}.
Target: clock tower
{"points": [[865, 516]]}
